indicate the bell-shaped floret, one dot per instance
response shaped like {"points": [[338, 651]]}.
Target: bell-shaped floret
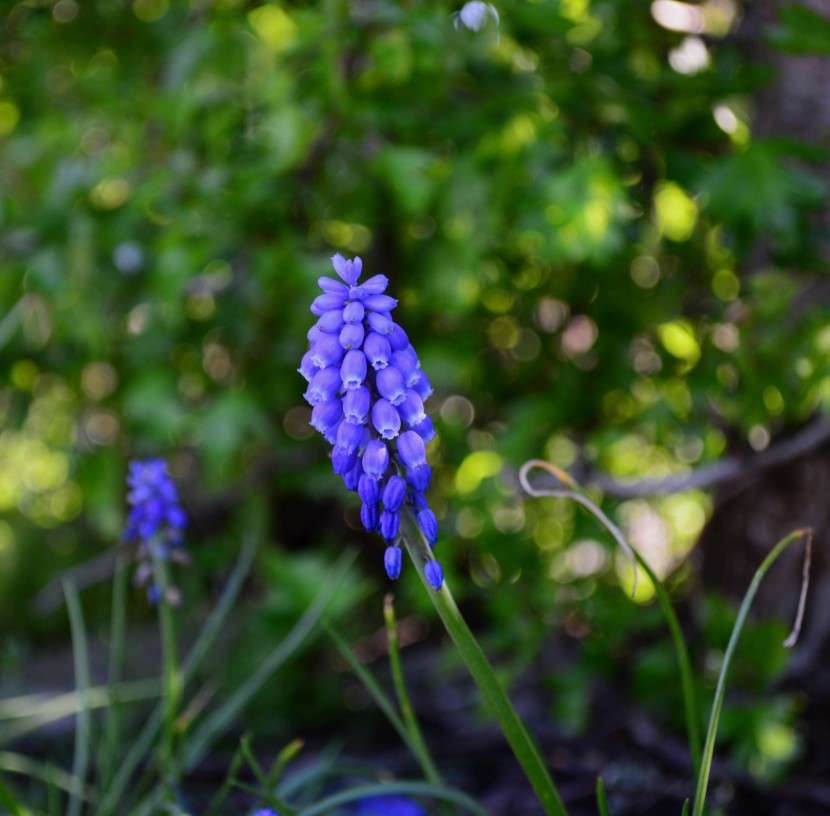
{"points": [[324, 385], [352, 476], [386, 419], [343, 461], [326, 414], [390, 523], [391, 385], [398, 338], [370, 516], [353, 312], [349, 437], [425, 429], [331, 322], [353, 369], [377, 322], [327, 351], [377, 350], [327, 302], [333, 287], [392, 562], [348, 270], [356, 405], [412, 409], [429, 525], [375, 459], [307, 367], [368, 489], [394, 493], [422, 385], [380, 303], [352, 336], [411, 450], [434, 574]]}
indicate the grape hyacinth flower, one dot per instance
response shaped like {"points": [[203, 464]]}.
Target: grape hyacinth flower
{"points": [[367, 392], [156, 521]]}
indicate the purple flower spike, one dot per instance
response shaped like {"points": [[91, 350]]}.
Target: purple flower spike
{"points": [[392, 562], [353, 370], [385, 418], [155, 521], [434, 574], [365, 383]]}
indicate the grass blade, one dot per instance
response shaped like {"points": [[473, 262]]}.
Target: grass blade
{"points": [[80, 655], [602, 800], [720, 689]]}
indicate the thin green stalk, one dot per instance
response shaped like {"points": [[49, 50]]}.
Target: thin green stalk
{"points": [[602, 799], [80, 656], [485, 678], [111, 742], [720, 690], [173, 683], [371, 685], [416, 738], [214, 725], [200, 648], [572, 491], [8, 800]]}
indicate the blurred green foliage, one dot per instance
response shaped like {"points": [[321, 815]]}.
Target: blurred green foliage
{"points": [[567, 211]]}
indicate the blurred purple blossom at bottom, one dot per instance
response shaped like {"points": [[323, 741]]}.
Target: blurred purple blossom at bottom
{"points": [[388, 806]]}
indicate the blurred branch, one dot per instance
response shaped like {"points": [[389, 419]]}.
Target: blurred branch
{"points": [[732, 469]]}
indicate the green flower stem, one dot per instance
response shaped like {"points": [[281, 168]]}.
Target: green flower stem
{"points": [[173, 685], [717, 704], [571, 490], [416, 738], [485, 678]]}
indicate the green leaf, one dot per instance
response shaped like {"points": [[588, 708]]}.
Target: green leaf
{"points": [[801, 31]]}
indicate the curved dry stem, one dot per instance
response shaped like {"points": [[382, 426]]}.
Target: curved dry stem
{"points": [[792, 639], [572, 491]]}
